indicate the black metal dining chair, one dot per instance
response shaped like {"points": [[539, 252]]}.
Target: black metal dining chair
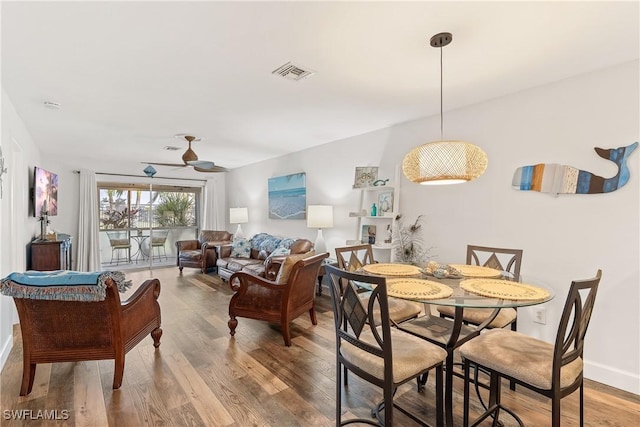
{"points": [[553, 370], [352, 258], [505, 260], [376, 352]]}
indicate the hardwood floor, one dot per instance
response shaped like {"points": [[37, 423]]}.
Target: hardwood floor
{"points": [[200, 376]]}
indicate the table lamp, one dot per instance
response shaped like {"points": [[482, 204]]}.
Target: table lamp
{"points": [[320, 216], [238, 216]]}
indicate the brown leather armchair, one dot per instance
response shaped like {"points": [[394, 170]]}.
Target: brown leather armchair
{"points": [[262, 299], [70, 331], [201, 253]]}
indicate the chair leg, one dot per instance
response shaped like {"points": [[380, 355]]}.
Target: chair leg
{"points": [[514, 328], [28, 375], [439, 396], [582, 404], [118, 371], [465, 414], [494, 398], [156, 334], [339, 393], [286, 334], [422, 381], [388, 393], [232, 323], [555, 411]]}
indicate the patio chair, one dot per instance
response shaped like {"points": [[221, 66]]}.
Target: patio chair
{"points": [[158, 240], [119, 241]]}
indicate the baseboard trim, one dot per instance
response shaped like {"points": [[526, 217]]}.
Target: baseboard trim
{"points": [[613, 377], [7, 345]]}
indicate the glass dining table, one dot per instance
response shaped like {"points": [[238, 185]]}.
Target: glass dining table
{"points": [[465, 291]]}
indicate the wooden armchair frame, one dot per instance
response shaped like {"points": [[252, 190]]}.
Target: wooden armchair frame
{"points": [[71, 331], [262, 299]]}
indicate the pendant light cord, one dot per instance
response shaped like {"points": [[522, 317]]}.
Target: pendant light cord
{"points": [[441, 115]]}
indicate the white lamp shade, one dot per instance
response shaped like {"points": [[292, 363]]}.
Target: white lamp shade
{"points": [[238, 215], [320, 216]]}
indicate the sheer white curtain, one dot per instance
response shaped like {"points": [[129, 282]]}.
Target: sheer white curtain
{"points": [[213, 204], [88, 224]]}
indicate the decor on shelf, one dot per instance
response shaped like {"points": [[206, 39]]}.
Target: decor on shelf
{"points": [[408, 242], [288, 196], [385, 203], [444, 161], [44, 220], [238, 216], [365, 176], [562, 179], [369, 234], [380, 182], [320, 216]]}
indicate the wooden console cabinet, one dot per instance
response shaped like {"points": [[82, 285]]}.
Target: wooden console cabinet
{"points": [[51, 255]]}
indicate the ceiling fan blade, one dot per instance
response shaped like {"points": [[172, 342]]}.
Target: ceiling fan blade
{"points": [[212, 169], [204, 164], [177, 165]]}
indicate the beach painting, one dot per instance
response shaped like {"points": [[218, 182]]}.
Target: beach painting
{"points": [[288, 197]]}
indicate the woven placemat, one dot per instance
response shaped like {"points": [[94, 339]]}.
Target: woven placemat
{"points": [[389, 269], [418, 289], [503, 289], [476, 271]]}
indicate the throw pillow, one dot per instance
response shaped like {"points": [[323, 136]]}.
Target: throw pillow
{"points": [[287, 266], [280, 251], [240, 249]]}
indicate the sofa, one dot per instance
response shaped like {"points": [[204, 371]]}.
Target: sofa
{"points": [[261, 255], [201, 252]]}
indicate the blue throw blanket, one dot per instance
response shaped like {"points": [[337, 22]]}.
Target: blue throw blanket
{"points": [[63, 285]]}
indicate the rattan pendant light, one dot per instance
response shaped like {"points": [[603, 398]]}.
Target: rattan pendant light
{"points": [[444, 161]]}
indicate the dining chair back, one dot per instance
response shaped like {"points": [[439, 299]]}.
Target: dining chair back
{"points": [[508, 261], [553, 370], [354, 257], [372, 349]]}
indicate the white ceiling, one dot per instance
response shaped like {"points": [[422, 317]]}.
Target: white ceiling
{"points": [[131, 75]]}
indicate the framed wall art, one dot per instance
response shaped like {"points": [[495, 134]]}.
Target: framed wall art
{"points": [[288, 196], [365, 176]]}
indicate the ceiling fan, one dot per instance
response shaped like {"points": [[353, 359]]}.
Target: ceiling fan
{"points": [[190, 158]]}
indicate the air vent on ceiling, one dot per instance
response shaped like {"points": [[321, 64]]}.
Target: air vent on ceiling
{"points": [[292, 72]]}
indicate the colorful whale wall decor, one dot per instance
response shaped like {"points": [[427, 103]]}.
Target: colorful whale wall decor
{"points": [[562, 179]]}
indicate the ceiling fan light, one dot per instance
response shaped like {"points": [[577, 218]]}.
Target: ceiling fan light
{"points": [[444, 162]]}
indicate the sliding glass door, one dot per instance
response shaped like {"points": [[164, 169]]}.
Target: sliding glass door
{"points": [[139, 226]]}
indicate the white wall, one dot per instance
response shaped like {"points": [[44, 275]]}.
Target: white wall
{"points": [[16, 226], [564, 238]]}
